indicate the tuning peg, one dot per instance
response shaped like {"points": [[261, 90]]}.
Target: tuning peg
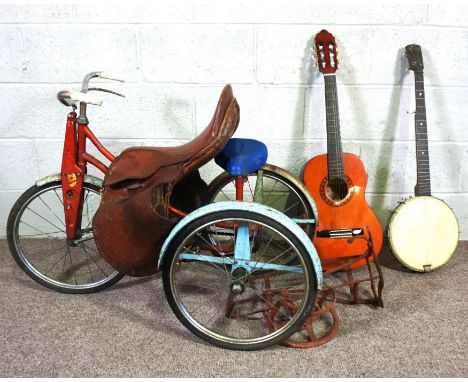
{"points": [[314, 57]]}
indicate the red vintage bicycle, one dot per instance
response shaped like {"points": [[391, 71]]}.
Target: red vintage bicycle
{"points": [[49, 228]]}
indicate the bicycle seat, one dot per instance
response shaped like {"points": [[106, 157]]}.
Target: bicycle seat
{"points": [[242, 156], [132, 220]]}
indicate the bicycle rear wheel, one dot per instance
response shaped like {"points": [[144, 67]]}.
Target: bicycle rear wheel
{"points": [[227, 302], [278, 192], [37, 240]]}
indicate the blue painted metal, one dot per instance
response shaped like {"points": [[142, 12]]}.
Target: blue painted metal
{"points": [[303, 221], [253, 207], [245, 264], [242, 248], [242, 156], [54, 177]]}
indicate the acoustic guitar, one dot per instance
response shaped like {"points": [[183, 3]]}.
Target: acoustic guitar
{"points": [[423, 230], [337, 181]]}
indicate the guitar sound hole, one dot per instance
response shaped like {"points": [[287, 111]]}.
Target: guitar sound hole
{"points": [[336, 189]]}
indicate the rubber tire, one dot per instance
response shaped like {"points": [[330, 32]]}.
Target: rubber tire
{"points": [[190, 228], [224, 178], [17, 207]]}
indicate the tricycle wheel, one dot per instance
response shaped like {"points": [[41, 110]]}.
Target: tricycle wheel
{"points": [[233, 303]]}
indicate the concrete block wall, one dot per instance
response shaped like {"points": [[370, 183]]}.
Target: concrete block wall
{"points": [[177, 55]]}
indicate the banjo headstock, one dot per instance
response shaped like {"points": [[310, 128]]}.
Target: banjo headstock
{"points": [[415, 59]]}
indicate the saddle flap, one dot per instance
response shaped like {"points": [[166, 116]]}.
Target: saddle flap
{"points": [[132, 220]]}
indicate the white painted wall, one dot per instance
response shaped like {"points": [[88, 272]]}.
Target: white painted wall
{"points": [[179, 55]]}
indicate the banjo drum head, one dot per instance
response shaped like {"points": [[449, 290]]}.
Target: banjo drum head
{"points": [[423, 233]]}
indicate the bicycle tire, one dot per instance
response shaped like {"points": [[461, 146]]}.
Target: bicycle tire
{"points": [[305, 210], [181, 300], [28, 259]]}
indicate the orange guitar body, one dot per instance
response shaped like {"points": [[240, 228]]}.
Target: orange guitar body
{"points": [[350, 212]]}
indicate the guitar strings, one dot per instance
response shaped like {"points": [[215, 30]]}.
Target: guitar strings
{"points": [[422, 147], [335, 163]]}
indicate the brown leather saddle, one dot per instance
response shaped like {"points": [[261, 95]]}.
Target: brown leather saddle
{"points": [[132, 220]]}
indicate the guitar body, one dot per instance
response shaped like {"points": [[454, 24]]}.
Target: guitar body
{"points": [[423, 233], [336, 213]]}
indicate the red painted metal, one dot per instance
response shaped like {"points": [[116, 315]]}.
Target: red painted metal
{"points": [[320, 327], [72, 178], [182, 214], [176, 211], [88, 158], [346, 282], [323, 323], [89, 134], [81, 144], [239, 188], [74, 167]]}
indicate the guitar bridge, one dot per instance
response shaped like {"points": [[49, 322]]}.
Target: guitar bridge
{"points": [[341, 233]]}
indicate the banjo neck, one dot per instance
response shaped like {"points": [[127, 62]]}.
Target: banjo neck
{"points": [[423, 185], [415, 61]]}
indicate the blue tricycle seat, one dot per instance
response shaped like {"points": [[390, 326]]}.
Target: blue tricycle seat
{"points": [[242, 156]]}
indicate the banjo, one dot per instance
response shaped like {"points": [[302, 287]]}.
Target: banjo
{"points": [[423, 230]]}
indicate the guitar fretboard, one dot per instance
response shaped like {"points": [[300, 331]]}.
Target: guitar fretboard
{"points": [[334, 150], [423, 186]]}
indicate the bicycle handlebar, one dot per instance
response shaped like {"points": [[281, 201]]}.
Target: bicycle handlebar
{"points": [[100, 74], [86, 98], [112, 76], [64, 97], [70, 97]]}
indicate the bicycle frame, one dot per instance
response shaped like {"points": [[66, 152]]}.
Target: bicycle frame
{"points": [[74, 167], [75, 159]]}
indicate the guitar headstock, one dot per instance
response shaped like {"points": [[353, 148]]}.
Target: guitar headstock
{"points": [[325, 49], [415, 59]]}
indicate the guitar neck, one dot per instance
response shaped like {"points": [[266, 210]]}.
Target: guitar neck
{"points": [[423, 186], [334, 150]]}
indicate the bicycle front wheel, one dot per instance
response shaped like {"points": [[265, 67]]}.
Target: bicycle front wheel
{"points": [[238, 304], [37, 240]]}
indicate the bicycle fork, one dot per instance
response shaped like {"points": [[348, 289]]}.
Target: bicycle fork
{"points": [[72, 179]]}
